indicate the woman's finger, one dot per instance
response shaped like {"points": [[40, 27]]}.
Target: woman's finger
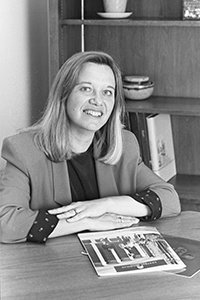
{"points": [[78, 216], [62, 209], [59, 210], [125, 219], [84, 212], [123, 222], [120, 221], [67, 214], [111, 221]]}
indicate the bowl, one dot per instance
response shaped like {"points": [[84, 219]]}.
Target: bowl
{"points": [[135, 79], [142, 91]]}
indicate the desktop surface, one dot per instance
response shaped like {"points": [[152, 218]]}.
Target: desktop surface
{"points": [[58, 270]]}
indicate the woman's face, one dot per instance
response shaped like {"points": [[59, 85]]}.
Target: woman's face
{"points": [[91, 101]]}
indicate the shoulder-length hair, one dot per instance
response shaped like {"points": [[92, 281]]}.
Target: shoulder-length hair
{"points": [[52, 130]]}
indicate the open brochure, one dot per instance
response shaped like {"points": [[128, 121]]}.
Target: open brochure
{"points": [[130, 251]]}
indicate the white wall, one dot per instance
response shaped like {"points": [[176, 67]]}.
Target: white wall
{"points": [[23, 64]]}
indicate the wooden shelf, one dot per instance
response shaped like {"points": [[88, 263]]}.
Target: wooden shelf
{"points": [[171, 105], [131, 22]]}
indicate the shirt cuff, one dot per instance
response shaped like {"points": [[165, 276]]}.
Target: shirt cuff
{"points": [[152, 200], [42, 227]]}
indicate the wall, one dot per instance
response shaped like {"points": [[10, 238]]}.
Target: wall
{"points": [[23, 64]]}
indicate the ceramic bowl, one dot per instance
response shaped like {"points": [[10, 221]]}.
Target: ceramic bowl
{"points": [[138, 91], [137, 79]]}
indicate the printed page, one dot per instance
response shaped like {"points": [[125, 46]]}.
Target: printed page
{"points": [[132, 250]]}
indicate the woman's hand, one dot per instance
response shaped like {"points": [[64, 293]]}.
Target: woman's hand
{"points": [[105, 222], [81, 209], [109, 222], [121, 205]]}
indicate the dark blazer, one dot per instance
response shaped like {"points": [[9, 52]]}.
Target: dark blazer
{"points": [[32, 182]]}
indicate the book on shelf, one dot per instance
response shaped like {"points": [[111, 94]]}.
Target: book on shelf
{"points": [[138, 126], [161, 145], [131, 250]]}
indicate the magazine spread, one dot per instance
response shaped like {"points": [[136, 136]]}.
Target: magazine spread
{"points": [[130, 250]]}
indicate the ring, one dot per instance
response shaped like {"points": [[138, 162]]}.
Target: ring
{"points": [[75, 212], [120, 219]]}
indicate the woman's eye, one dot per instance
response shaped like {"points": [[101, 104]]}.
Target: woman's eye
{"points": [[108, 93], [86, 89]]}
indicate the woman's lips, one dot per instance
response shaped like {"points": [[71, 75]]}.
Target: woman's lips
{"points": [[93, 113]]}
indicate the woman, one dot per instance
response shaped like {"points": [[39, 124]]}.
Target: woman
{"points": [[77, 168]]}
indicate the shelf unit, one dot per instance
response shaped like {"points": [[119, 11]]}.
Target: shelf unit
{"points": [[181, 106], [128, 22], [156, 42], [184, 112]]}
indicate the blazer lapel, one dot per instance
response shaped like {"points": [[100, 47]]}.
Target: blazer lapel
{"points": [[62, 190]]}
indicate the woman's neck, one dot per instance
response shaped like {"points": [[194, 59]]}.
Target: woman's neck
{"points": [[80, 144]]}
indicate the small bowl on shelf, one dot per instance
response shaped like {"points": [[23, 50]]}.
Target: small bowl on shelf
{"points": [[137, 87]]}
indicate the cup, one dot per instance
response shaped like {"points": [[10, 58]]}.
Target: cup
{"points": [[115, 6]]}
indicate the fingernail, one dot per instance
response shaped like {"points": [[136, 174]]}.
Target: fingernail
{"points": [[70, 220], [135, 220]]}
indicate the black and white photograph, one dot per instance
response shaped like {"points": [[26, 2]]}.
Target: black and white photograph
{"points": [[99, 149]]}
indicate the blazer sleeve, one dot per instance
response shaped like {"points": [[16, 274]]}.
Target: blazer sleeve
{"points": [[168, 196], [131, 176], [147, 179], [16, 217]]}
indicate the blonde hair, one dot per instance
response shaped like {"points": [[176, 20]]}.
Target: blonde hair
{"points": [[52, 130]]}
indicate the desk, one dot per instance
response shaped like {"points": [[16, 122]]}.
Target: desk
{"points": [[58, 270]]}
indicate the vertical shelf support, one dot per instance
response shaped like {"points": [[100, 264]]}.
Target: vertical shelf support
{"points": [[82, 27]]}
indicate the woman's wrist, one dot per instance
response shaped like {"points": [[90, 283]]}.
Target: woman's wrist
{"points": [[65, 228], [126, 205], [109, 204]]}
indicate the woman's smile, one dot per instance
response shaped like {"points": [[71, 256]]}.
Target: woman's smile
{"points": [[93, 113]]}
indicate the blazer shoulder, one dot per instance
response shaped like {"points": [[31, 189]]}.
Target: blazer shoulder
{"points": [[22, 140], [21, 146], [129, 139]]}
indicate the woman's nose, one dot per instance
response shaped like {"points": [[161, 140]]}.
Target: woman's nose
{"points": [[96, 99]]}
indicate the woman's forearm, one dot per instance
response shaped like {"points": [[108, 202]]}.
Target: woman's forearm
{"points": [[105, 222], [119, 205], [126, 205], [64, 228]]}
